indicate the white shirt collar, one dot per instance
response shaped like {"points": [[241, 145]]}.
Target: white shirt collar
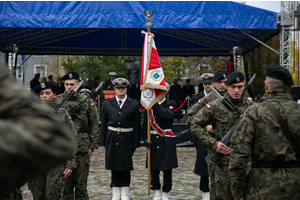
{"points": [[204, 93], [123, 100]]}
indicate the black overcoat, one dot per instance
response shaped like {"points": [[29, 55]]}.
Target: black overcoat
{"points": [[163, 149], [120, 146], [108, 83], [200, 164]]}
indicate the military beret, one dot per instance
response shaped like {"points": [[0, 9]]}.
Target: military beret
{"points": [[112, 73], [235, 77], [207, 77], [50, 76], [46, 85], [280, 73], [71, 75], [188, 79], [97, 77], [120, 82], [220, 74]]}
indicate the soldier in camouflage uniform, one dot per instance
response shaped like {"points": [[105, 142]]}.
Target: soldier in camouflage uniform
{"points": [[221, 119], [33, 138], [88, 131], [219, 80], [275, 170], [50, 185]]}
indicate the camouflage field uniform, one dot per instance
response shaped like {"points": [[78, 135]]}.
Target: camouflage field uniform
{"points": [[33, 138], [211, 166], [221, 119], [49, 186], [54, 178], [87, 140], [16, 194], [259, 136]]}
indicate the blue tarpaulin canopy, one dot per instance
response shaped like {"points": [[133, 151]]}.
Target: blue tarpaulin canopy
{"points": [[183, 28]]}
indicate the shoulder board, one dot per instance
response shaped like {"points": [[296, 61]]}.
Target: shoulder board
{"points": [[195, 94]]}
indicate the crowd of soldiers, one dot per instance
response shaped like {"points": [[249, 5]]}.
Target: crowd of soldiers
{"points": [[54, 146]]}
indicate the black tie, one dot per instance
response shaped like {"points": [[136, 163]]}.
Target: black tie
{"points": [[120, 103]]}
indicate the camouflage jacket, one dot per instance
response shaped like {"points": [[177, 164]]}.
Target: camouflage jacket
{"points": [[221, 119], [71, 163], [259, 137], [198, 106], [33, 138], [89, 119]]}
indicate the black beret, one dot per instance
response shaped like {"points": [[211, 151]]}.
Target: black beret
{"points": [[46, 85], [235, 77], [71, 75], [220, 74], [280, 73], [120, 82], [97, 77]]}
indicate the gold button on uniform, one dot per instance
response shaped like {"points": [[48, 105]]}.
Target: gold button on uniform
{"points": [[119, 112], [156, 136], [119, 122], [158, 147], [118, 133], [155, 116], [117, 143]]}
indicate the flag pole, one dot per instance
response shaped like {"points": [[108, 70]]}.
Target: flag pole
{"points": [[148, 150], [148, 16]]}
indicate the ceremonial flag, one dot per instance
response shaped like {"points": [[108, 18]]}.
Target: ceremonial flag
{"points": [[153, 84], [229, 65]]}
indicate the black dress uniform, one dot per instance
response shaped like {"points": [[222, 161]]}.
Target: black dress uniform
{"points": [[120, 146], [163, 149], [187, 91]]}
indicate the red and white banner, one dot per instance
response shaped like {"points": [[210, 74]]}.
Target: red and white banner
{"points": [[153, 83]]}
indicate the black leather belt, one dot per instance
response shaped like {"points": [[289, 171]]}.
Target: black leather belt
{"points": [[82, 130], [263, 164]]}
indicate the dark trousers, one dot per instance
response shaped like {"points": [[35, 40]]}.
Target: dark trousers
{"points": [[120, 179], [204, 184], [167, 180]]}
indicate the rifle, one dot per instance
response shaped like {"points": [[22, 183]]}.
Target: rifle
{"points": [[68, 97], [77, 107]]}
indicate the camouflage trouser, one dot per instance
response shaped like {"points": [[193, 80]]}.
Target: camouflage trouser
{"points": [[16, 194], [77, 179], [54, 183], [223, 183], [211, 169], [37, 188]]}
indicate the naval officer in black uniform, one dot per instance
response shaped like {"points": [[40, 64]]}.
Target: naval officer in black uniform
{"points": [[207, 80], [163, 147], [120, 135]]}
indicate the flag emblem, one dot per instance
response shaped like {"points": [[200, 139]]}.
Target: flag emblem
{"points": [[70, 118], [207, 106], [155, 74], [199, 101], [171, 107], [92, 104]]}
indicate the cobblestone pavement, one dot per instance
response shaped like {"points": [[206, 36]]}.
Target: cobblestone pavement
{"points": [[185, 182]]}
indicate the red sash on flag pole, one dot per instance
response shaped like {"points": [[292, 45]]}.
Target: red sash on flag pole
{"points": [[158, 129]]}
